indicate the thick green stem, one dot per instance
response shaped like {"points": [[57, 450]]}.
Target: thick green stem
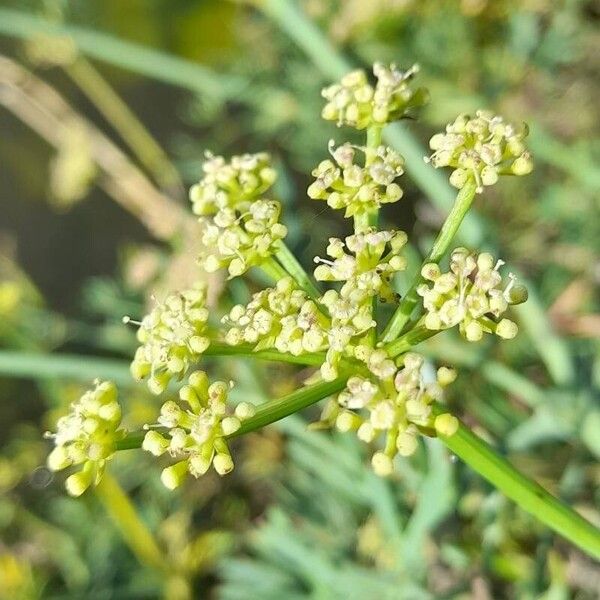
{"points": [[275, 410], [413, 337], [462, 204], [526, 493], [245, 350], [297, 272], [364, 220], [273, 269], [134, 531]]}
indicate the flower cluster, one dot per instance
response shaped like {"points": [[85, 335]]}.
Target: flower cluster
{"points": [[355, 102], [355, 188], [282, 317], [87, 436], [365, 263], [226, 184], [241, 229], [480, 149], [173, 337], [394, 405], [197, 435], [468, 295]]}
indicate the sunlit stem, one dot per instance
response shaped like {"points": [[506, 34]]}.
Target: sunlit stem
{"points": [[294, 268], [273, 269], [246, 351], [275, 410], [530, 496], [411, 338], [462, 204], [364, 220]]}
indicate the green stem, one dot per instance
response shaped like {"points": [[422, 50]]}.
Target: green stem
{"points": [[530, 496], [462, 204], [134, 531], [245, 350], [364, 220], [411, 338], [275, 410], [273, 269], [297, 272], [118, 114]]}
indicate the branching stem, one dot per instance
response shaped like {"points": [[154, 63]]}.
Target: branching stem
{"points": [[463, 202]]}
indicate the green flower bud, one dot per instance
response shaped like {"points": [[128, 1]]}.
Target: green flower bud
{"points": [[382, 464], [446, 424], [197, 436], [78, 483], [172, 477]]}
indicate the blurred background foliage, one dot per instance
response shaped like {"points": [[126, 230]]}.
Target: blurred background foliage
{"points": [[86, 120]]}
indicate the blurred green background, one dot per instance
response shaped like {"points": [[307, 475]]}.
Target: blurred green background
{"points": [[103, 129]]}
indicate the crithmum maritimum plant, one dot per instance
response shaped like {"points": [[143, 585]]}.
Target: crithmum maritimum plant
{"points": [[369, 371]]}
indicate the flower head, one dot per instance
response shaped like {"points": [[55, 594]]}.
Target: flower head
{"points": [[241, 229], [355, 102], [282, 317], [469, 295], [225, 184], [87, 436], [392, 405], [365, 264], [196, 435], [481, 149], [357, 189], [240, 238], [172, 336]]}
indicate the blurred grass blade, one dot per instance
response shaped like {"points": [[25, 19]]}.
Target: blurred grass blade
{"points": [[126, 55], [435, 500], [550, 346], [133, 530], [34, 365]]}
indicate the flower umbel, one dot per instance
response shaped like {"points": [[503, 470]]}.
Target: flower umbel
{"points": [[241, 229], [196, 435], [173, 336], [282, 317], [355, 102], [87, 436], [392, 405], [366, 263], [470, 294], [481, 148], [358, 189], [225, 184]]}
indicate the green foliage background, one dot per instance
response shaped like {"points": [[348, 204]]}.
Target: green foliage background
{"points": [[302, 516]]}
